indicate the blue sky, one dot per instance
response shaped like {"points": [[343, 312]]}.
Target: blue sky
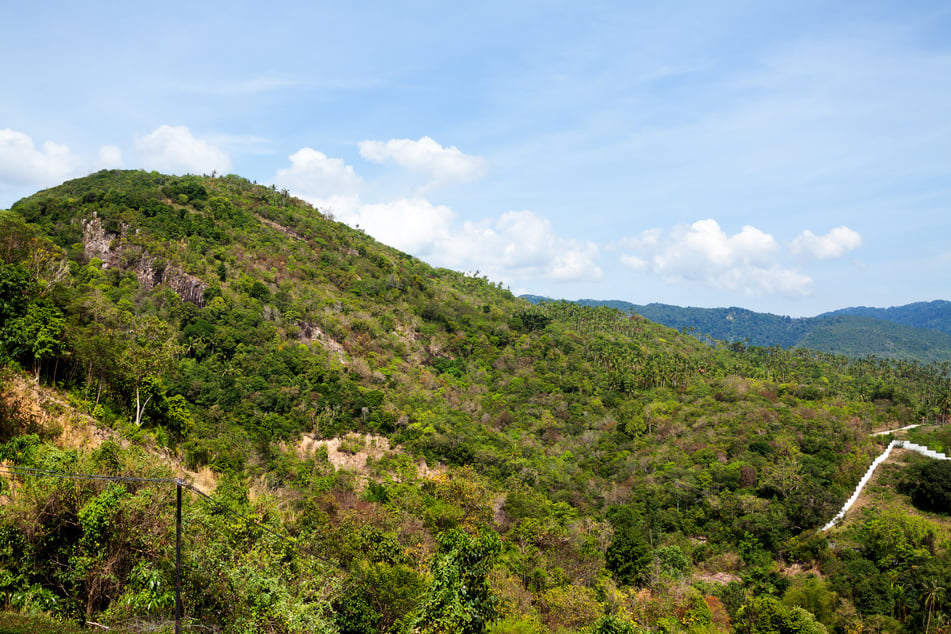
{"points": [[788, 157]]}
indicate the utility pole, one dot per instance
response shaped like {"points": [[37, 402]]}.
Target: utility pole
{"points": [[178, 558]]}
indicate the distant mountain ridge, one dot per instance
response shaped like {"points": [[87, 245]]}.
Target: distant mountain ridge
{"points": [[920, 331], [935, 315]]}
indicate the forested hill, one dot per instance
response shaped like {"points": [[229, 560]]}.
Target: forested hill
{"points": [[393, 447], [934, 315], [920, 331]]}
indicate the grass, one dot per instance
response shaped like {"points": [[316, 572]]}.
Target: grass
{"points": [[13, 623], [16, 623]]}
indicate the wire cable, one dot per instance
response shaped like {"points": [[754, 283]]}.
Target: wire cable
{"points": [[287, 539]]}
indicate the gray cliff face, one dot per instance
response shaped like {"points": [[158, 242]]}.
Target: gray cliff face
{"points": [[115, 252], [97, 243]]}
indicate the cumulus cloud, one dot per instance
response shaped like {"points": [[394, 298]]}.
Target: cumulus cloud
{"points": [[328, 183], [24, 167], [173, 149], [747, 262], [439, 165], [413, 225], [513, 247], [519, 246], [22, 163], [834, 244]]}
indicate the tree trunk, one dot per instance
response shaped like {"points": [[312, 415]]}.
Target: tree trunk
{"points": [[140, 406]]}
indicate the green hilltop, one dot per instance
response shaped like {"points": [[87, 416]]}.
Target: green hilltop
{"points": [[393, 447]]}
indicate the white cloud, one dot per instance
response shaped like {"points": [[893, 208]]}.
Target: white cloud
{"points": [[703, 246], [834, 244], [440, 165], [412, 225], [342, 207], [516, 246], [747, 262], [320, 180], [634, 262], [173, 149], [110, 157], [327, 183], [24, 167], [21, 163]]}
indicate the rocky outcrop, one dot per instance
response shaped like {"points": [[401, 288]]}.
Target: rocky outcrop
{"points": [[97, 243], [114, 252], [189, 288]]}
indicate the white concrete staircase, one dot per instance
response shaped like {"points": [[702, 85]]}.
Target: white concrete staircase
{"points": [[901, 444], [924, 451]]}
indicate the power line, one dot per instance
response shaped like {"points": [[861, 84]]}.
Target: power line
{"points": [[179, 484], [13, 470], [86, 476]]}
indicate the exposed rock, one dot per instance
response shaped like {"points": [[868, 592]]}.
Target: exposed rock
{"points": [[357, 448], [189, 288], [312, 332], [97, 243], [150, 271]]}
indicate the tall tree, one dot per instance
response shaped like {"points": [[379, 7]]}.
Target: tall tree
{"points": [[150, 350], [38, 334]]}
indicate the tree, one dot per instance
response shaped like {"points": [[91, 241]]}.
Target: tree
{"points": [[96, 341], [812, 594], [628, 555], [766, 615], [863, 583], [38, 333], [149, 351], [929, 485], [16, 289], [934, 596], [460, 600]]}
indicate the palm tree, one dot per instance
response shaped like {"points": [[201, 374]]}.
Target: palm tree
{"points": [[900, 595], [934, 595]]}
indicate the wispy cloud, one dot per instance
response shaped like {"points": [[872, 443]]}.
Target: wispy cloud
{"points": [[243, 86]]}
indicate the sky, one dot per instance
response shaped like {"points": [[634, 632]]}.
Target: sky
{"points": [[786, 157]]}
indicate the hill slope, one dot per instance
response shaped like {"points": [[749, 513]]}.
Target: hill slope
{"points": [[935, 315], [516, 467], [913, 332]]}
